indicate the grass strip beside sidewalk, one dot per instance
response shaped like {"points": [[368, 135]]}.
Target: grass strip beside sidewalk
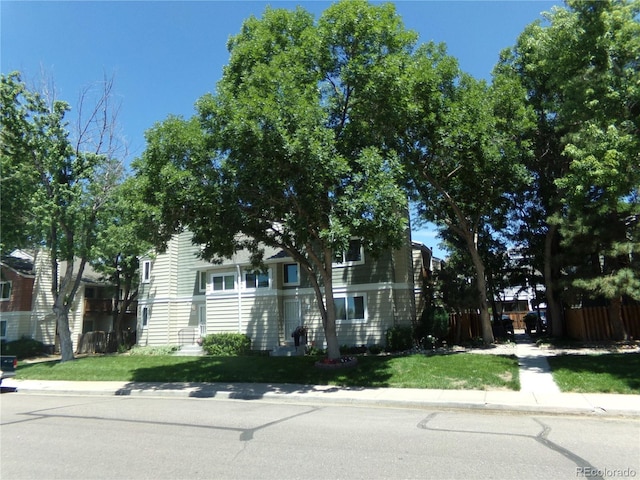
{"points": [[598, 373], [457, 371]]}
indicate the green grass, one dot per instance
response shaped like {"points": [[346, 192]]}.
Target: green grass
{"points": [[606, 373], [456, 371]]}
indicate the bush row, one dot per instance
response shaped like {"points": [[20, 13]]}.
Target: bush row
{"points": [[226, 344], [23, 348]]}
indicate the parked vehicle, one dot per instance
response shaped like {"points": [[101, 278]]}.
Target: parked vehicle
{"points": [[503, 327], [8, 366], [536, 320]]}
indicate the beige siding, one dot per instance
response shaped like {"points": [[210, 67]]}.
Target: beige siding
{"points": [[188, 262], [18, 325], [261, 319], [173, 298], [76, 316], [222, 313], [155, 333], [178, 321], [42, 316]]}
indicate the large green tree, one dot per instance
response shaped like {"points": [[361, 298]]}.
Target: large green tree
{"points": [[58, 180], [460, 146], [121, 238], [580, 71], [296, 149]]}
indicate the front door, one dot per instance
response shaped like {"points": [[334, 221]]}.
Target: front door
{"points": [[202, 320], [292, 318]]}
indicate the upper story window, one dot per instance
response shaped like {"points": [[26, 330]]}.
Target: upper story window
{"points": [[202, 281], [291, 273], [354, 255], [146, 271], [224, 282], [5, 290], [256, 280]]}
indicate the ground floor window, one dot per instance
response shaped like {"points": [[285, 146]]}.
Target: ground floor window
{"points": [[145, 316], [3, 328], [351, 308]]}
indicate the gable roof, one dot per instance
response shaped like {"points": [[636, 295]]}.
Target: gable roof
{"points": [[20, 262]]}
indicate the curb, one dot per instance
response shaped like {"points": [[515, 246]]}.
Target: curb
{"points": [[601, 405]]}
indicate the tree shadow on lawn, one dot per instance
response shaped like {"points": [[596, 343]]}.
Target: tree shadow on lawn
{"points": [[621, 367], [251, 378]]}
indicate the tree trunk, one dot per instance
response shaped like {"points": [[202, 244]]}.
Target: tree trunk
{"points": [[64, 332], [615, 319], [325, 302], [330, 330], [554, 308], [485, 318]]}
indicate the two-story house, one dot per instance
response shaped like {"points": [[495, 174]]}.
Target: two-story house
{"points": [[17, 278], [183, 297]]}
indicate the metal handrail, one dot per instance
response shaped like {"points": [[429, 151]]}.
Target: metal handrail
{"points": [[189, 333]]}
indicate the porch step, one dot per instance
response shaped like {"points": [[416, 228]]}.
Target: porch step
{"points": [[190, 351], [287, 351]]}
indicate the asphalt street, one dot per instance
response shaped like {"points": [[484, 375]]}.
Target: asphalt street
{"points": [[95, 437]]}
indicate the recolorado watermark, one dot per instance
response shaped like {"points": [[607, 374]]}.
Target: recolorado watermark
{"points": [[591, 472]]}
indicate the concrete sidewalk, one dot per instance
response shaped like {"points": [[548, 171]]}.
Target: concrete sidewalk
{"points": [[538, 394], [535, 372], [490, 401]]}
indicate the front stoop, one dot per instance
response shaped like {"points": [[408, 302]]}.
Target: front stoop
{"points": [[287, 351], [190, 351]]}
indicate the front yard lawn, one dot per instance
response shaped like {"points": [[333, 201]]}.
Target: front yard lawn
{"points": [[600, 373], [454, 371]]}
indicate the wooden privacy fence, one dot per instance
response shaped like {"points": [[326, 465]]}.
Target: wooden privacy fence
{"points": [[593, 323], [585, 324], [103, 342], [464, 327]]}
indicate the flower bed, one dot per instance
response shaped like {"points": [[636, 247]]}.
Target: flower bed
{"points": [[342, 362]]}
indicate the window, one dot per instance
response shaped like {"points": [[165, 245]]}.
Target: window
{"points": [[256, 280], [223, 282], [354, 255], [5, 290], [291, 275], [145, 316], [3, 328], [350, 309], [146, 271], [202, 281]]}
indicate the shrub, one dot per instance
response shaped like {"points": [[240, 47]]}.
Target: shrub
{"points": [[399, 338], [375, 349], [353, 349], [23, 348], [434, 323], [315, 351], [147, 351], [226, 344]]}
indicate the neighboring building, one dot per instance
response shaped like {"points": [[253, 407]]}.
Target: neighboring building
{"points": [[17, 276], [26, 304], [424, 267], [183, 297]]}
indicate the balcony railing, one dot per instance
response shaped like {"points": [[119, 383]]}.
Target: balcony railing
{"points": [[105, 305]]}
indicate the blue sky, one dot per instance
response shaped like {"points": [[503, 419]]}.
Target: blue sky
{"points": [[164, 55]]}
